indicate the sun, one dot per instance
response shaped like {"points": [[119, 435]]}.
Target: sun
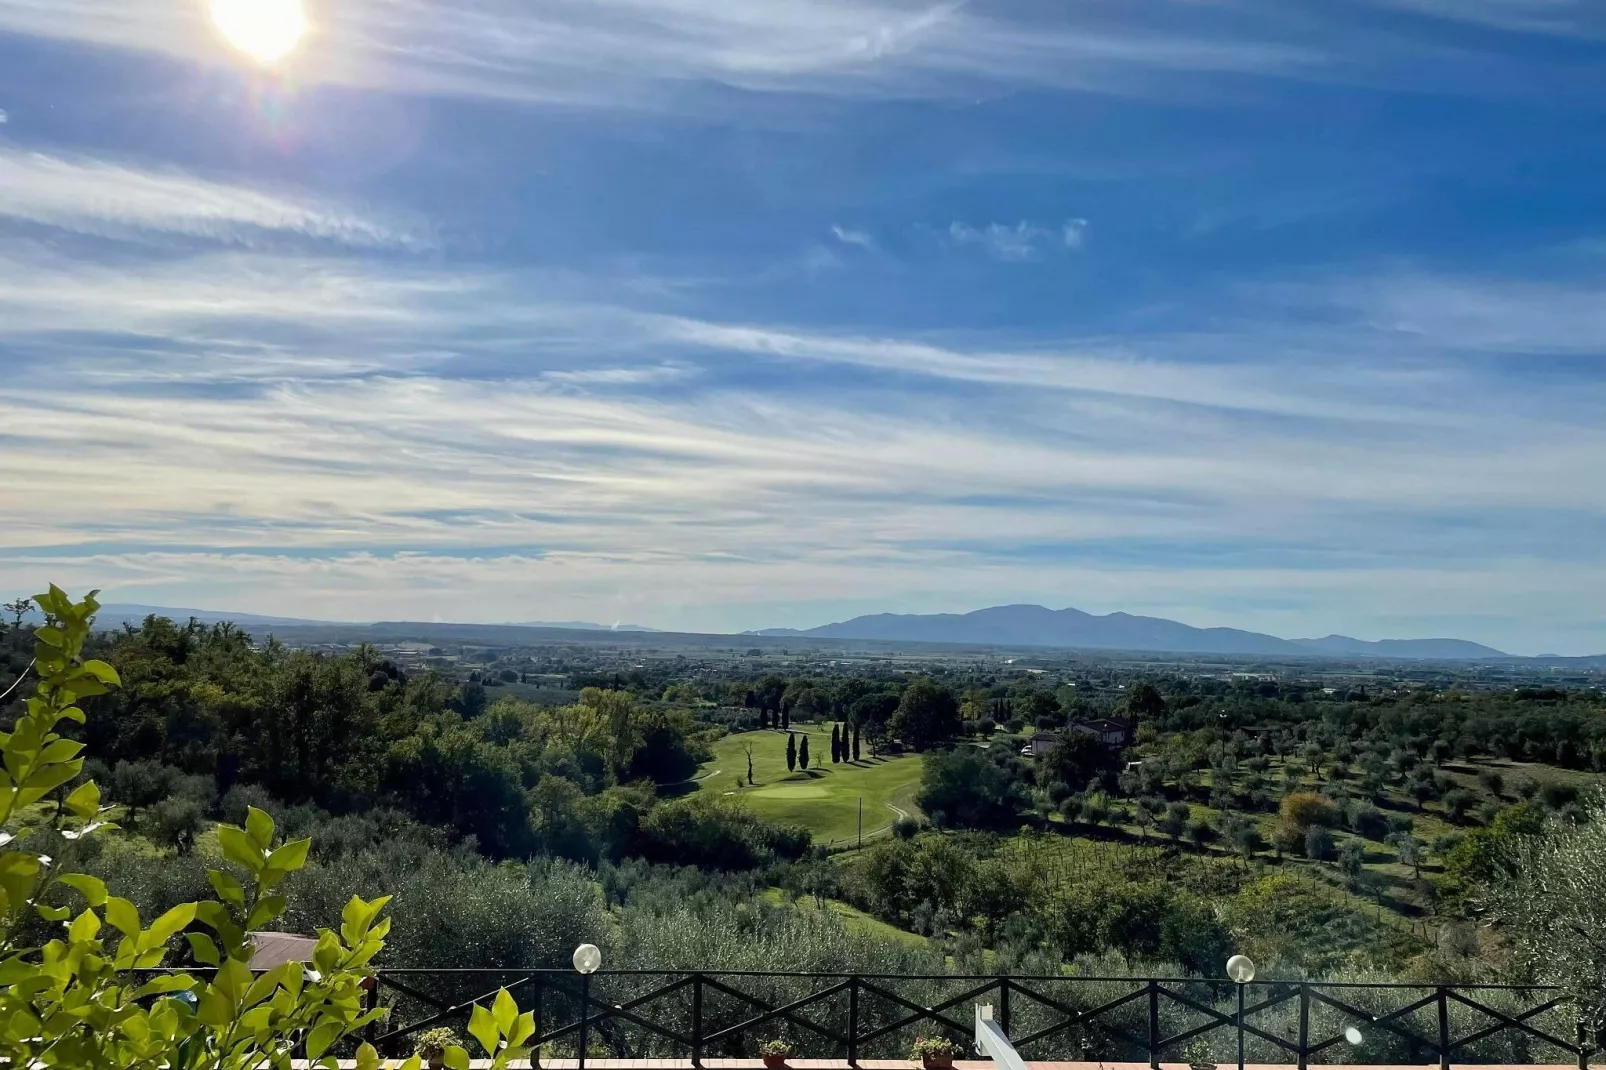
{"points": [[265, 30]]}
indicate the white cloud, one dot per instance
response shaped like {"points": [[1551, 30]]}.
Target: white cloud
{"points": [[1018, 241], [861, 238], [112, 199], [618, 51], [365, 434]]}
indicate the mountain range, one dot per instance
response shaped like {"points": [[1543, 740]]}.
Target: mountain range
{"points": [[1018, 625], [1074, 629]]}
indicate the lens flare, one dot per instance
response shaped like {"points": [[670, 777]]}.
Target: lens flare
{"points": [[265, 30]]}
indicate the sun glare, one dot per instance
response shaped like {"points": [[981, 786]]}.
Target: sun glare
{"points": [[265, 30]]}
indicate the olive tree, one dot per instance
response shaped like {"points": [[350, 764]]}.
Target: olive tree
{"points": [[1550, 898]]}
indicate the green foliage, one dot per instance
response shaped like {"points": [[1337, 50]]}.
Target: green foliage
{"points": [[966, 788], [82, 998], [927, 714]]}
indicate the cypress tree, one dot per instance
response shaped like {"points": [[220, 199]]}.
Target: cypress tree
{"points": [[786, 716], [855, 742], [836, 746], [803, 753], [763, 717], [791, 752]]}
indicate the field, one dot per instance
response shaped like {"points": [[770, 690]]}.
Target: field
{"points": [[823, 798]]}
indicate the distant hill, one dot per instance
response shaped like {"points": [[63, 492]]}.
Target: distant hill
{"points": [[583, 626], [1435, 649], [117, 613], [1026, 625]]}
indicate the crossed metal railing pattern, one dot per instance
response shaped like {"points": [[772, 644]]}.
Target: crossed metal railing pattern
{"points": [[707, 1014]]}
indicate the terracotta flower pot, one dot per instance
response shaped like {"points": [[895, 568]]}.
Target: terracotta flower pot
{"points": [[937, 1062], [774, 1062]]}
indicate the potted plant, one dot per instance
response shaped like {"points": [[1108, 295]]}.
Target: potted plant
{"points": [[1198, 1056], [934, 1052], [431, 1045], [775, 1052]]}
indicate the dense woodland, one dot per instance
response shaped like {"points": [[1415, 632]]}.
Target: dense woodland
{"points": [[1331, 830]]}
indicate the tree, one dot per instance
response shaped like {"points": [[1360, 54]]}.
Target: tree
{"points": [[927, 714], [1202, 833], [178, 821], [84, 1000], [964, 788], [1077, 758], [1408, 849], [1550, 897], [1457, 802], [836, 745], [791, 752], [748, 749], [1318, 843], [1175, 821], [786, 716], [1145, 703], [803, 753], [18, 609], [1148, 812], [1492, 782], [1352, 861], [855, 741]]}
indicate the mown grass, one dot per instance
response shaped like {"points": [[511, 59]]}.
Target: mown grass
{"points": [[823, 798]]}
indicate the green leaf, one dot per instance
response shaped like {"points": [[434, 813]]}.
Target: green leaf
{"points": [[215, 1009], [62, 750], [50, 635], [228, 889], [104, 673], [84, 801], [505, 1012], [368, 1058], [482, 1027], [455, 1058], [232, 979], [260, 826], [170, 982], [122, 915], [203, 948], [291, 857], [268, 908], [93, 889], [83, 927], [322, 1038], [163, 928], [52, 913], [240, 848]]}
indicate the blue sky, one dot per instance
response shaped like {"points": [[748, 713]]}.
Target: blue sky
{"points": [[714, 314]]}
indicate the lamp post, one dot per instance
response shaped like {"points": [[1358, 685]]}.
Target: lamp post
{"points": [[1241, 970], [587, 960]]}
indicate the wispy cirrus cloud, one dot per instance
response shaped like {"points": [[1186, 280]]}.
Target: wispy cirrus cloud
{"points": [[243, 421], [108, 198], [1021, 240], [617, 51], [850, 236]]}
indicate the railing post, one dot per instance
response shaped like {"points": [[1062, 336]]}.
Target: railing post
{"points": [[697, 1020], [1304, 1025], [1444, 1028], [585, 1018], [370, 1000], [853, 1020], [1583, 1047], [1003, 1005], [1154, 1025], [1240, 986], [535, 1010]]}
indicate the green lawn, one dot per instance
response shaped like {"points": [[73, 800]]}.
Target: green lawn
{"points": [[825, 797]]}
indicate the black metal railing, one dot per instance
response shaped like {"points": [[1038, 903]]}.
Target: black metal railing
{"points": [[701, 1015]]}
